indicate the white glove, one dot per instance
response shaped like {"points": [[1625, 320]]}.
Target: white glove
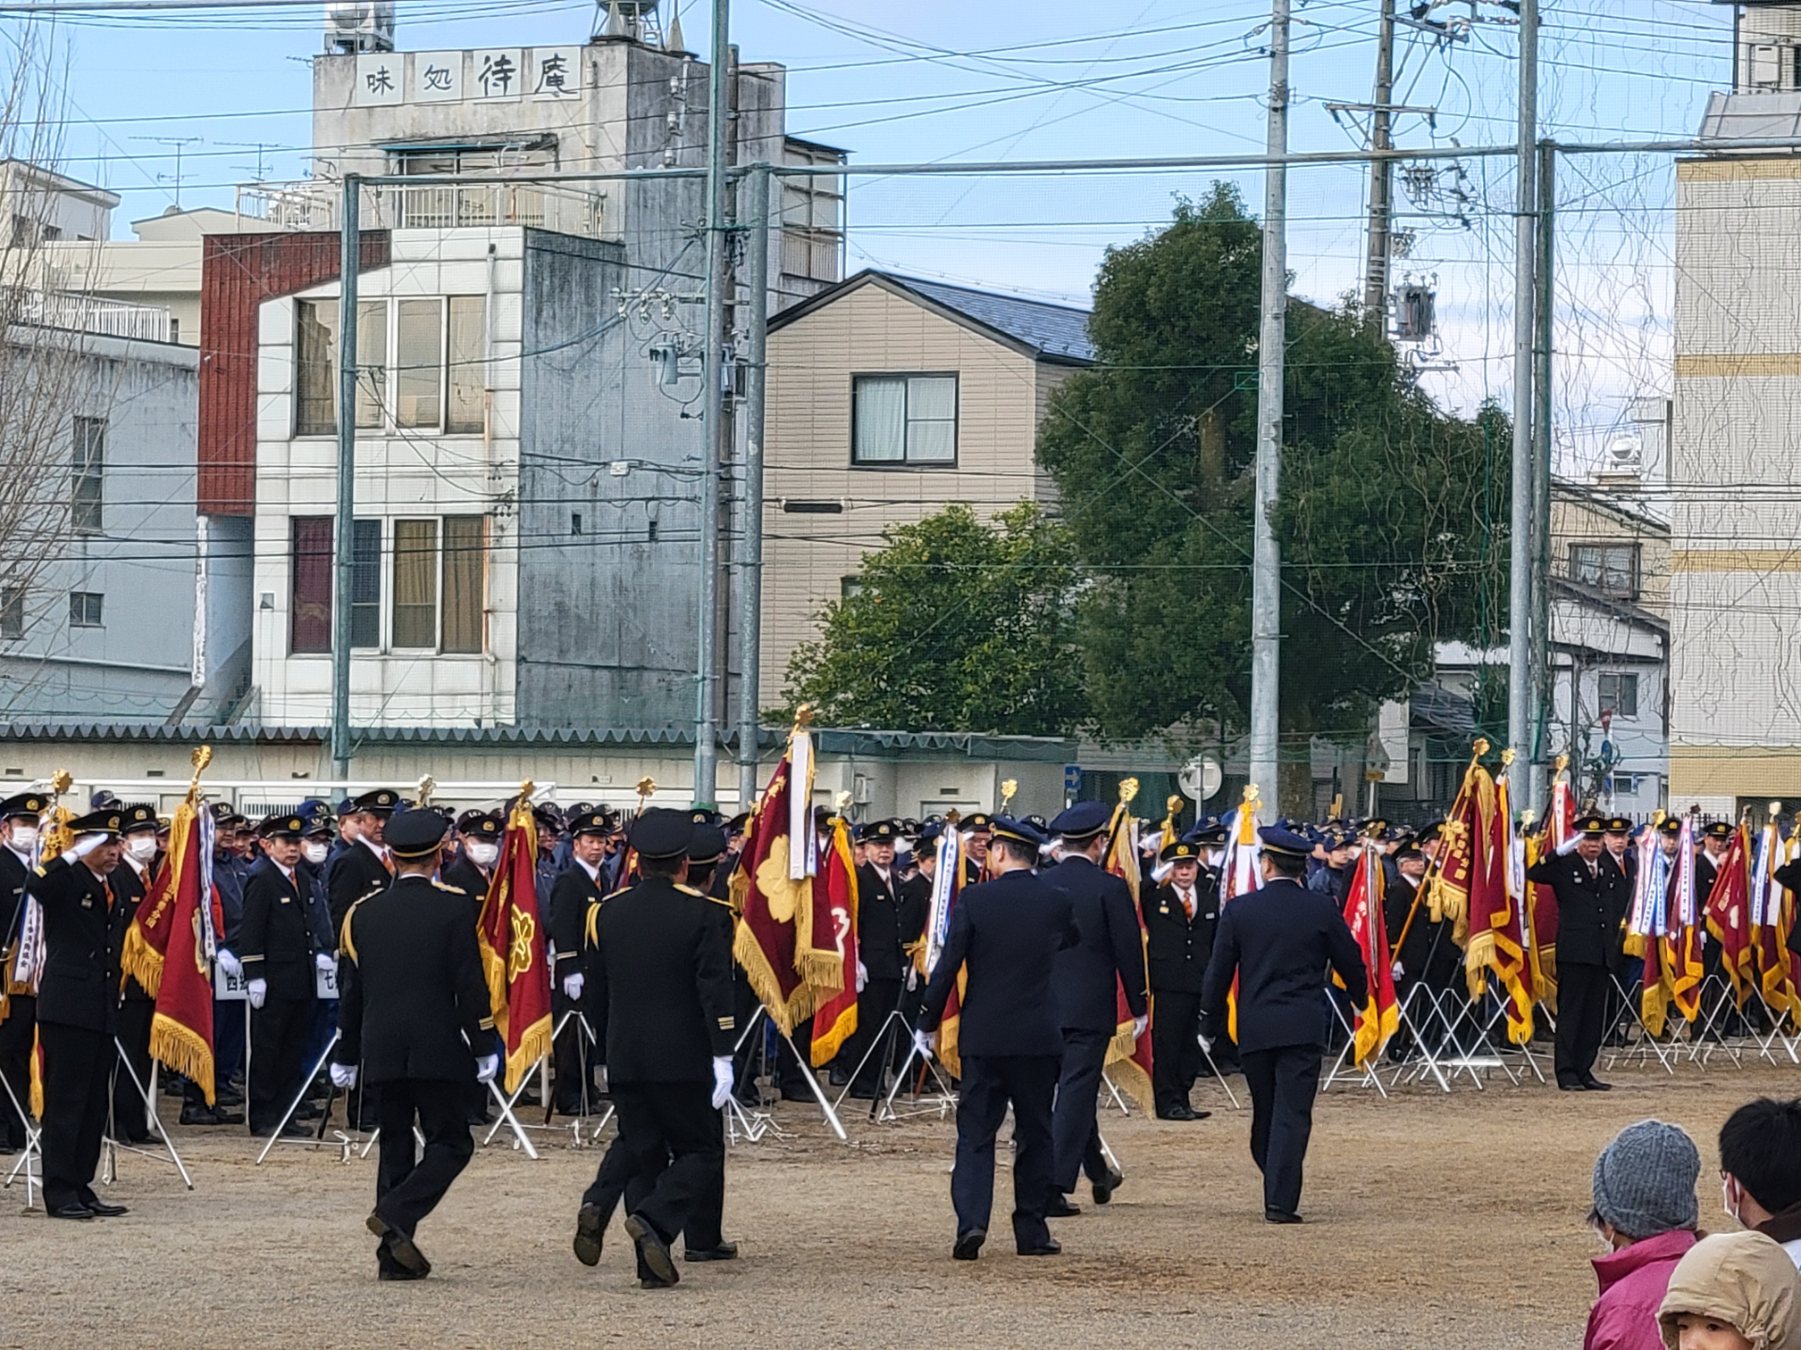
{"points": [[912, 977], [258, 991], [326, 962], [486, 1067], [1207, 1044], [722, 1080], [84, 846], [343, 1076], [1138, 1026], [572, 987], [1397, 972], [230, 964], [862, 977], [923, 1041]]}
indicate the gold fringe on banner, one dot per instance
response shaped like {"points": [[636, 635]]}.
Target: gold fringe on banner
{"points": [[184, 1050]]}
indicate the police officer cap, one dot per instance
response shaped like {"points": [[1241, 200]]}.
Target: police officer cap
{"points": [[316, 818], [708, 844], [382, 801], [1718, 829], [1018, 831], [704, 815], [1275, 839], [281, 825], [591, 822], [1591, 825], [481, 825], [1183, 850], [1672, 826], [25, 804], [1084, 820], [1376, 829], [1207, 830], [880, 832], [414, 834], [548, 817], [737, 823], [661, 833], [929, 835], [1618, 825], [976, 822], [1431, 830], [138, 816], [108, 821]]}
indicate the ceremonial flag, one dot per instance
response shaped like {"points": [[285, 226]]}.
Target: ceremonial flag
{"points": [[1240, 874], [1498, 933], [1682, 969], [835, 1020], [1560, 836], [1775, 982], [1128, 1056], [181, 1031], [1647, 925], [1728, 914], [1460, 865], [510, 934], [947, 883], [1380, 1015]]}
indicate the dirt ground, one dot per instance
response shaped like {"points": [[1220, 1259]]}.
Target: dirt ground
{"points": [[1432, 1222]]}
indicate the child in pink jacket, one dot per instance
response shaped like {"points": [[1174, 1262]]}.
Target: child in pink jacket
{"points": [[1645, 1210]]}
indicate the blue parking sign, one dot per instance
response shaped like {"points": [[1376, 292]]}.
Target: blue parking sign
{"points": [[1072, 780]]}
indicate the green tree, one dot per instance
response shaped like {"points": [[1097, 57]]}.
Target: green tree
{"points": [[1391, 519], [955, 625]]}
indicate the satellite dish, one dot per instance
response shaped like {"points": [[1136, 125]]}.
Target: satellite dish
{"points": [[1200, 778]]}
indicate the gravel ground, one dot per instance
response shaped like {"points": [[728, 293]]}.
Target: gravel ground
{"points": [[1432, 1222]]}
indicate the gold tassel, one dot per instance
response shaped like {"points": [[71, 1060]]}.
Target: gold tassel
{"points": [[139, 961], [533, 1046], [37, 1076], [184, 1050]]}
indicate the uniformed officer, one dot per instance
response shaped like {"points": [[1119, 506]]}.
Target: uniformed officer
{"points": [[575, 892], [1108, 957], [662, 968], [1424, 951], [888, 923], [481, 833], [1006, 935], [1278, 941], [1592, 900], [281, 961], [78, 1011], [1179, 919], [416, 1022], [704, 1237], [130, 881], [18, 856], [362, 868], [976, 828]]}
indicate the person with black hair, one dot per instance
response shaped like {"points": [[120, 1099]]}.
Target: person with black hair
{"points": [[1760, 1170]]}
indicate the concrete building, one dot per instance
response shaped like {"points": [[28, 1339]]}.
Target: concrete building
{"points": [[889, 399]]}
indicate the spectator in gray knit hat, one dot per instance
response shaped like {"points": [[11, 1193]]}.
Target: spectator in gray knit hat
{"points": [[1645, 1211]]}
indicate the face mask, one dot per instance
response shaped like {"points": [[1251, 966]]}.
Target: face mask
{"points": [[141, 847], [482, 854], [25, 837], [315, 850], [1726, 1201]]}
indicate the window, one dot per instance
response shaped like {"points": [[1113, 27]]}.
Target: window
{"points": [[88, 464], [12, 613], [316, 365], [1611, 569], [365, 584], [311, 573], [24, 231], [465, 563], [85, 609], [52, 233], [904, 420], [849, 586], [415, 583], [1617, 692], [436, 377], [467, 412]]}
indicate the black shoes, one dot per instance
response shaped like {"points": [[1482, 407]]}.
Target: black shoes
{"points": [[1593, 1084], [210, 1115], [399, 1247], [725, 1251], [969, 1245], [1060, 1208], [289, 1131], [653, 1251], [72, 1210], [1049, 1247], [1274, 1215], [588, 1235], [1103, 1189], [101, 1210]]}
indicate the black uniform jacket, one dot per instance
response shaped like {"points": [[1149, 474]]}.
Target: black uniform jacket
{"points": [[1178, 947], [413, 987], [1591, 907], [572, 895], [13, 875], [82, 935], [128, 893], [1008, 932], [276, 941], [468, 878], [356, 872], [663, 971], [1279, 940], [890, 919], [1109, 948]]}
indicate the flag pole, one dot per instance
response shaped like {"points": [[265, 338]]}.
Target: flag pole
{"points": [[1478, 749]]}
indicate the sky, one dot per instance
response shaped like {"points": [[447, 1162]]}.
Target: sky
{"points": [[1010, 80]]}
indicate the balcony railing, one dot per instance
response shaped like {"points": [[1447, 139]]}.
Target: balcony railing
{"points": [[91, 314], [314, 205]]}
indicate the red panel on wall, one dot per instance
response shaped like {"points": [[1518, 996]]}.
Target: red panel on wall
{"points": [[237, 273]]}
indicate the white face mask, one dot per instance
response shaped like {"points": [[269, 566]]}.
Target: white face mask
{"points": [[482, 853], [1726, 1201], [142, 847], [314, 850], [24, 837]]}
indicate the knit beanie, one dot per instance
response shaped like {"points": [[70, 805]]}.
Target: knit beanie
{"points": [[1645, 1180]]}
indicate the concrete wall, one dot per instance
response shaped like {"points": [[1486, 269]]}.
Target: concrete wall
{"points": [[1577, 518], [137, 665]]}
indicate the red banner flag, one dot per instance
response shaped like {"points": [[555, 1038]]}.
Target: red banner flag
{"points": [[1128, 1057], [835, 1020], [1380, 1016], [511, 936], [1728, 914]]}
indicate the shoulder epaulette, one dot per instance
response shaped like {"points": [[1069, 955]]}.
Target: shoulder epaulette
{"points": [[347, 944], [446, 886], [610, 894]]}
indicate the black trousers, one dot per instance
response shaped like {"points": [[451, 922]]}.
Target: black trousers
{"points": [[1175, 1049], [15, 1066], [878, 999], [1582, 993], [615, 1179], [278, 1036], [408, 1185], [77, 1080], [129, 1119], [1283, 1084], [673, 1156], [990, 1083], [1076, 1135]]}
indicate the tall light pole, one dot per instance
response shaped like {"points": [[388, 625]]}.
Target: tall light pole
{"points": [[1525, 296]]}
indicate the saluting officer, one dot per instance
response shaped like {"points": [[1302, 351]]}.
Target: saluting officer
{"points": [[1006, 933], [78, 1011], [1592, 900], [130, 881], [1279, 941], [280, 960], [417, 1023], [362, 867], [18, 855], [1179, 919], [1089, 975], [573, 895], [662, 968]]}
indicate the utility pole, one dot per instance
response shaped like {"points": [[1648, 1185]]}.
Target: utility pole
{"points": [[1266, 564], [750, 567], [1375, 275], [1541, 478], [350, 249], [1523, 538], [713, 443]]}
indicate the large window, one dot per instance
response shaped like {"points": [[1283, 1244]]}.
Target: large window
{"points": [[365, 584], [1611, 569], [316, 365], [901, 420], [465, 576], [87, 474], [1617, 693], [430, 574], [415, 583], [311, 571], [423, 365]]}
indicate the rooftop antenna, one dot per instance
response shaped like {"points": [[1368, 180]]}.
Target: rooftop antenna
{"points": [[178, 142]]}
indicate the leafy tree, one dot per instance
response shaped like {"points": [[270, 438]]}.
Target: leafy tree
{"points": [[1391, 512], [956, 625]]}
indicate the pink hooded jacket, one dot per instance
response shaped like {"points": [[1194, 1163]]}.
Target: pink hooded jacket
{"points": [[1633, 1282]]}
